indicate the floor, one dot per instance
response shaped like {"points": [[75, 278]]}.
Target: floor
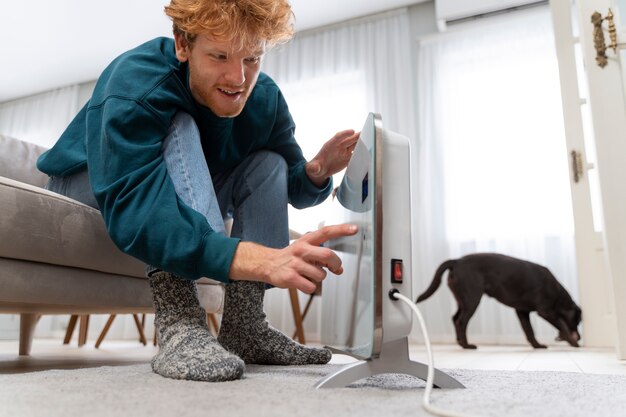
{"points": [[525, 358], [52, 354]]}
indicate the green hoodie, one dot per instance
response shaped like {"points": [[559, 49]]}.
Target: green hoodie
{"points": [[118, 136]]}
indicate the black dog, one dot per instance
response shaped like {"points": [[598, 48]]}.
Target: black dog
{"points": [[523, 285]]}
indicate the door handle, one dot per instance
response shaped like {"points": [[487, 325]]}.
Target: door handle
{"points": [[577, 165], [598, 37]]}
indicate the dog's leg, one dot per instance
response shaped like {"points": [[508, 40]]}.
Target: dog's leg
{"points": [[455, 321], [467, 300], [524, 319], [461, 319]]}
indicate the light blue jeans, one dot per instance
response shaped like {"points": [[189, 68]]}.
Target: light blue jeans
{"points": [[253, 194]]}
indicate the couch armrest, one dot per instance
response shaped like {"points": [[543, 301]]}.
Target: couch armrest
{"points": [[18, 161], [42, 226]]}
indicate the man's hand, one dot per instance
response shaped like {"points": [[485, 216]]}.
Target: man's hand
{"points": [[332, 158], [299, 265]]}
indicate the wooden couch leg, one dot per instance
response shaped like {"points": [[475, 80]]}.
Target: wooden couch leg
{"points": [[28, 321], [70, 328]]}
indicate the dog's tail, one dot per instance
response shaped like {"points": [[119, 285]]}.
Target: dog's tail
{"points": [[436, 282]]}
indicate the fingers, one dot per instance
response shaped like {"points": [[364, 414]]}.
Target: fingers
{"points": [[348, 144], [303, 262], [334, 155], [327, 233], [304, 277], [312, 272], [306, 286], [354, 137], [343, 134], [346, 138], [324, 257]]}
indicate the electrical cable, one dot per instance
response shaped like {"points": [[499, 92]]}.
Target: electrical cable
{"points": [[396, 295]]}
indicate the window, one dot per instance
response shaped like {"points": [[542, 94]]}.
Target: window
{"points": [[503, 137]]}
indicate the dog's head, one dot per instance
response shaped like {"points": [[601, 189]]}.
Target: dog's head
{"points": [[569, 319]]}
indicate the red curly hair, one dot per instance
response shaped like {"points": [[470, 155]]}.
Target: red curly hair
{"points": [[244, 21]]}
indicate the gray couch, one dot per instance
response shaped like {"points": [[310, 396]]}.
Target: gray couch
{"points": [[55, 254]]}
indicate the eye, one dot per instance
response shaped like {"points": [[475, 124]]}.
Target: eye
{"points": [[219, 57], [253, 59]]}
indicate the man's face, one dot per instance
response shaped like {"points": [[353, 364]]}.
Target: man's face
{"points": [[220, 78]]}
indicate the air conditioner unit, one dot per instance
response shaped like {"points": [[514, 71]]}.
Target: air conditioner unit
{"points": [[448, 11]]}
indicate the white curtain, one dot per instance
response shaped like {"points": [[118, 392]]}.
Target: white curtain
{"points": [[41, 118], [332, 77], [492, 162]]}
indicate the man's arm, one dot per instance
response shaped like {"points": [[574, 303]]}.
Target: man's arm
{"points": [[299, 265]]}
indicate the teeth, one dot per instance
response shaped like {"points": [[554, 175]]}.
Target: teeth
{"points": [[229, 91]]}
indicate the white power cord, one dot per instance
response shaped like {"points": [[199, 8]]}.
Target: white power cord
{"points": [[431, 367]]}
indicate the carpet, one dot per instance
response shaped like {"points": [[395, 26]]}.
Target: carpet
{"points": [[288, 391]]}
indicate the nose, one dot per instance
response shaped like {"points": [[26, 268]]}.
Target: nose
{"points": [[235, 72]]}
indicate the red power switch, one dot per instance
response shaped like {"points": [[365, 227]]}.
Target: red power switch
{"points": [[396, 271]]}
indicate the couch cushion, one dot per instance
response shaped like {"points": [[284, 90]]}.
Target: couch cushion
{"points": [[35, 287], [42, 226], [18, 161]]}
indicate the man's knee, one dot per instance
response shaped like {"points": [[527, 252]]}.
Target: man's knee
{"points": [[183, 138], [270, 164], [184, 120], [266, 171]]}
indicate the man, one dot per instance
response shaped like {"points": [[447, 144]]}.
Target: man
{"points": [[180, 134]]}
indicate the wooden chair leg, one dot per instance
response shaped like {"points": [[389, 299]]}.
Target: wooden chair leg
{"points": [[28, 321], [308, 305], [70, 329], [212, 322], [297, 316], [142, 337], [305, 312], [105, 330], [83, 328], [143, 327]]}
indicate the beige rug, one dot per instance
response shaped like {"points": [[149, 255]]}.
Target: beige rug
{"points": [[288, 391]]}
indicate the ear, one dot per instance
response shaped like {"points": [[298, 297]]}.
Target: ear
{"points": [[183, 48]]}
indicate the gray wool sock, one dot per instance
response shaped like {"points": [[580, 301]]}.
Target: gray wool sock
{"points": [[245, 332], [187, 350]]}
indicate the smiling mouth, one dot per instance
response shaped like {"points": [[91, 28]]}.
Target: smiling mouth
{"points": [[230, 93]]}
